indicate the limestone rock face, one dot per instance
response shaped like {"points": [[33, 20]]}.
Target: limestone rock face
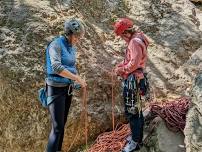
{"points": [[27, 26], [193, 128], [164, 140]]}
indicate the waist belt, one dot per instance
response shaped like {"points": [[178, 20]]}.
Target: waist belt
{"points": [[139, 69], [54, 75]]}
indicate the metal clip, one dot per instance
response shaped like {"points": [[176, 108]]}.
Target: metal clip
{"points": [[132, 101], [133, 110], [69, 90], [127, 98]]}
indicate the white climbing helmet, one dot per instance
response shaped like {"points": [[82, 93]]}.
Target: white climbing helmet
{"points": [[74, 26]]}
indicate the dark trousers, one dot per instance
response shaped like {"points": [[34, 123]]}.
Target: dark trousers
{"points": [[136, 121], [136, 125], [58, 109]]}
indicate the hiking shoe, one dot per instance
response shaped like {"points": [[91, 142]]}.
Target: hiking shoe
{"points": [[131, 146], [129, 138]]}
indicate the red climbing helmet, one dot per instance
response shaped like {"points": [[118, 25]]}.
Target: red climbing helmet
{"points": [[121, 25]]}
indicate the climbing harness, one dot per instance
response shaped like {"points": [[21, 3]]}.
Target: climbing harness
{"points": [[130, 94], [134, 91]]}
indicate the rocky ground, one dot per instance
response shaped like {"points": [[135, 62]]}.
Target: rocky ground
{"points": [[26, 26]]}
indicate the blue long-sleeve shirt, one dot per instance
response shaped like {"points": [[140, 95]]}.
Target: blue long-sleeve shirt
{"points": [[60, 55]]}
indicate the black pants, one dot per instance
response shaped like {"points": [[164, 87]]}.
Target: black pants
{"points": [[136, 122], [58, 109]]}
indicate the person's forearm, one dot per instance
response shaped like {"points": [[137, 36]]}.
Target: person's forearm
{"points": [[65, 73]]}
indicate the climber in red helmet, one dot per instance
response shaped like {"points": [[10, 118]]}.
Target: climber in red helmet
{"points": [[131, 69]]}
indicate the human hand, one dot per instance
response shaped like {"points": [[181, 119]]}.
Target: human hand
{"points": [[118, 71], [82, 82]]}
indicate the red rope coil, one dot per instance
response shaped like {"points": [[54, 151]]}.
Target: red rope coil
{"points": [[173, 112]]}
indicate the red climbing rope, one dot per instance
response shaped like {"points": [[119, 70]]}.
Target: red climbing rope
{"points": [[173, 112], [113, 104], [85, 115], [115, 140], [111, 141]]}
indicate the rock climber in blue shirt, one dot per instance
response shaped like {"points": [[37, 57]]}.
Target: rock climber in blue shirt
{"points": [[61, 73]]}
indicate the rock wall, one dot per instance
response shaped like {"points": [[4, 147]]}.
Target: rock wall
{"points": [[26, 26], [193, 128]]}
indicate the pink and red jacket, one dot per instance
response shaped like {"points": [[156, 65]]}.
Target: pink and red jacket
{"points": [[135, 57]]}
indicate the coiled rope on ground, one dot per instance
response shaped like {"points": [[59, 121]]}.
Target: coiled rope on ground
{"points": [[173, 112]]}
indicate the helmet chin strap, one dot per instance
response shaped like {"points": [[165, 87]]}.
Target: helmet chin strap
{"points": [[69, 38]]}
